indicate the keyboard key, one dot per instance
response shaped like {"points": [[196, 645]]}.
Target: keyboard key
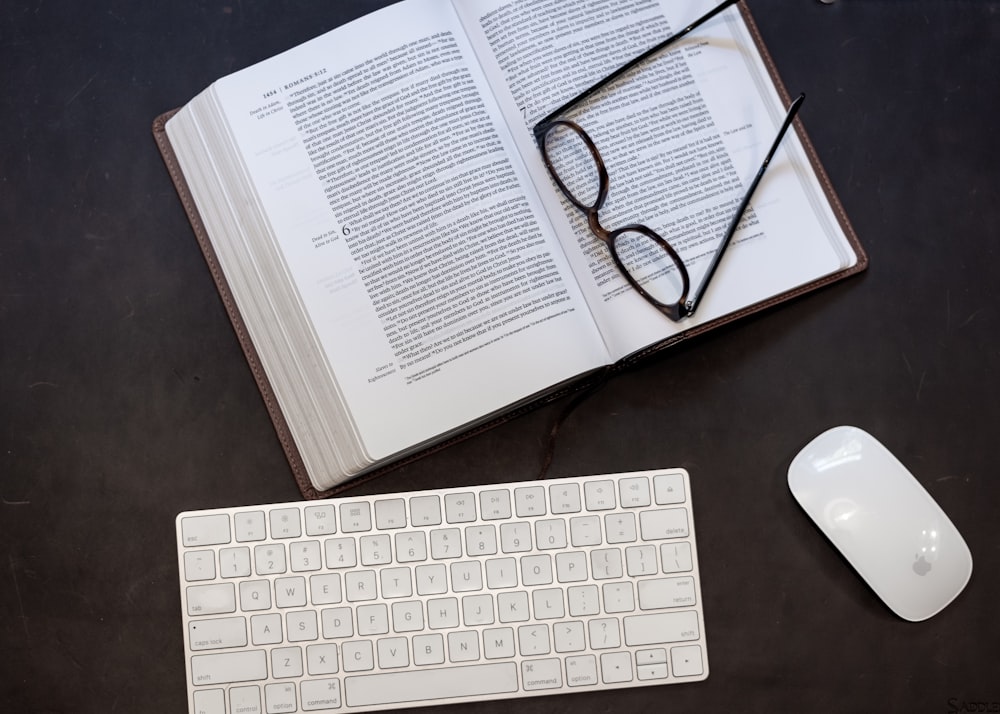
{"points": [[541, 674], [266, 629], [393, 652], [305, 556], [640, 560], [564, 498], [212, 599], [633, 492], [321, 659], [244, 699], [480, 540], [661, 628], [547, 604], [442, 613], [234, 562], [375, 549], [217, 634], [340, 552], [411, 547], [686, 661], [513, 607], [290, 592], [669, 488], [432, 579], [498, 643], [569, 637], [396, 582], [210, 701], [228, 668], [616, 667], [285, 523], [269, 559], [446, 543], [604, 633], [599, 495], [286, 662], [463, 646], [250, 526], [618, 597], [301, 626], [390, 514], [428, 649], [515, 537], [581, 671], [199, 565], [606, 563], [373, 620], [583, 600], [658, 593], [550, 534], [355, 517], [529, 501], [536, 569], [407, 616], [425, 511], [358, 656], [585, 530], [501, 573], [359, 585], [205, 530], [279, 698], [620, 528], [431, 684], [460, 508], [494, 504], [255, 595], [477, 610], [666, 523], [337, 622], [648, 672], [571, 567], [676, 557], [321, 520], [320, 695]]}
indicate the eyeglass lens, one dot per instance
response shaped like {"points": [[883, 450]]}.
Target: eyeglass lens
{"points": [[650, 265], [573, 165]]}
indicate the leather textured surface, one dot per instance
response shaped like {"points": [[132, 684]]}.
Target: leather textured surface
{"points": [[125, 397]]}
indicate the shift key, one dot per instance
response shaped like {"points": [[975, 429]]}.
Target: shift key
{"points": [[247, 666], [661, 628]]}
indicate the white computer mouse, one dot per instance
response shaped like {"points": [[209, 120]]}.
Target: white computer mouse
{"points": [[882, 520]]}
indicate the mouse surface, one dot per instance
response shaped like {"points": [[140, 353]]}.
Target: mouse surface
{"points": [[882, 520]]}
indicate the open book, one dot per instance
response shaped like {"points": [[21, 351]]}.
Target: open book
{"points": [[395, 257]]}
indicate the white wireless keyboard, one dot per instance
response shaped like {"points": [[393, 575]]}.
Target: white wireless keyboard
{"points": [[453, 595]]}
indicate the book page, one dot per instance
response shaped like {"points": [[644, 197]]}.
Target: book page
{"points": [[682, 136], [429, 272]]}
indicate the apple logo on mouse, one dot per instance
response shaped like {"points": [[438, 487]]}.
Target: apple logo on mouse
{"points": [[921, 566]]}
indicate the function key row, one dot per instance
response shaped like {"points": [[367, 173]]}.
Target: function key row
{"points": [[426, 510]]}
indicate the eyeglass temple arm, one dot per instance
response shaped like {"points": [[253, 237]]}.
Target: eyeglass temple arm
{"points": [[542, 126], [692, 304]]}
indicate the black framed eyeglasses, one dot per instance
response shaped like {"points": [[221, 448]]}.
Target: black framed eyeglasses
{"points": [[644, 258]]}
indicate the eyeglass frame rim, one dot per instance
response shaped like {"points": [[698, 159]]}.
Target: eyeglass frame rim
{"points": [[684, 307]]}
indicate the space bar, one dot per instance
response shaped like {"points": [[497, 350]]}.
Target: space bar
{"points": [[480, 680]]}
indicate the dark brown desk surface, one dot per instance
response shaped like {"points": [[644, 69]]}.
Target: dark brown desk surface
{"points": [[124, 397]]}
